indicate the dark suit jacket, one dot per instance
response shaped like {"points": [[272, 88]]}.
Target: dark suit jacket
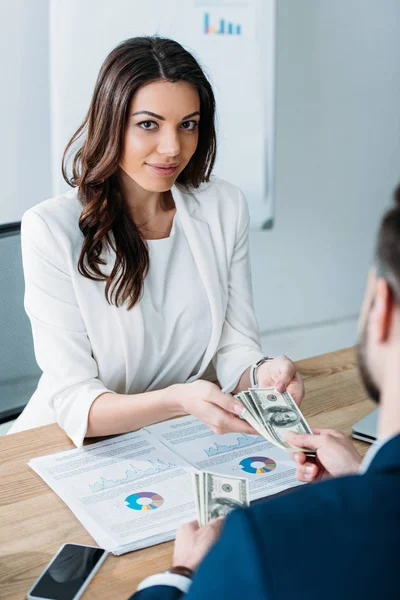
{"points": [[335, 540]]}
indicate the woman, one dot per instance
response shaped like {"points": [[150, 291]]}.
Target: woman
{"points": [[137, 280]]}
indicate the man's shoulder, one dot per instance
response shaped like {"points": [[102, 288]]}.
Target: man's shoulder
{"points": [[316, 532], [337, 518], [325, 500]]}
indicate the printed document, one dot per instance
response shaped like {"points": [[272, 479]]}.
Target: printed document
{"points": [[133, 490]]}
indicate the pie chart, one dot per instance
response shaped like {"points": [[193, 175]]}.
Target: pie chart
{"points": [[144, 501], [257, 465]]}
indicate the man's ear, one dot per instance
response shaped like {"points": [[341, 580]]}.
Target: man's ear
{"points": [[381, 311]]}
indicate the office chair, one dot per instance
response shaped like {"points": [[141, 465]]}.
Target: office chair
{"points": [[19, 373]]}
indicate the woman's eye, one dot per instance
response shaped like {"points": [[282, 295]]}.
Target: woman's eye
{"points": [[148, 125], [189, 125]]}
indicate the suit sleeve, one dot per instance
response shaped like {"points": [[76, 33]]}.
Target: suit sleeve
{"points": [[235, 568], [239, 345], [62, 348]]}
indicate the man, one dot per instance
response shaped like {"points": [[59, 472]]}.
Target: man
{"points": [[335, 539]]}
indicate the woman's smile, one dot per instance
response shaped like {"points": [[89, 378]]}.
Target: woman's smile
{"points": [[163, 169]]}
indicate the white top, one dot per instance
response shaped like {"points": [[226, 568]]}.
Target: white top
{"points": [[176, 314], [86, 347]]}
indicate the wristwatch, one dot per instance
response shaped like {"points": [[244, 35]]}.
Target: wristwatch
{"points": [[184, 571], [253, 370]]}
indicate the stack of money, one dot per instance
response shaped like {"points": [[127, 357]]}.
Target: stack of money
{"points": [[216, 495], [273, 415]]}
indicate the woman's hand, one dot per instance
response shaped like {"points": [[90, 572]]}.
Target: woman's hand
{"points": [[219, 411], [280, 373], [336, 453]]}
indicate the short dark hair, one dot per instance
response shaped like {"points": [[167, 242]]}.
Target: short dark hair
{"points": [[104, 220], [388, 247]]}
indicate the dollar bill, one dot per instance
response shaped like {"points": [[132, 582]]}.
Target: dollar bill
{"points": [[216, 495], [249, 414], [279, 414], [253, 416], [272, 414], [197, 497]]}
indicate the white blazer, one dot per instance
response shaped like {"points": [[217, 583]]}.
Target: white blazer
{"points": [[83, 344]]}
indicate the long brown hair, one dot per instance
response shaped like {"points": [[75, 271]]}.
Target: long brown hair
{"points": [[104, 220]]}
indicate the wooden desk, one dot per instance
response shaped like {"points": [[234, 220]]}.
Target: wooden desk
{"points": [[34, 522]]}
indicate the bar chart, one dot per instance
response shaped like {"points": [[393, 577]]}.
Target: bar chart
{"points": [[224, 28]]}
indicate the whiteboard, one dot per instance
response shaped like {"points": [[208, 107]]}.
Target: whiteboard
{"points": [[233, 40]]}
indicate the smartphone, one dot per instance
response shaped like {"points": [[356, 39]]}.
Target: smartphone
{"points": [[68, 573]]}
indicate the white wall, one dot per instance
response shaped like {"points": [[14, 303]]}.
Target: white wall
{"points": [[24, 107], [241, 69], [337, 160], [337, 156]]}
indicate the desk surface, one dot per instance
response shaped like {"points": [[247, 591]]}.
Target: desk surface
{"points": [[35, 522]]}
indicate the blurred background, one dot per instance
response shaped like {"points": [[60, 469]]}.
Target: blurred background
{"points": [[319, 105]]}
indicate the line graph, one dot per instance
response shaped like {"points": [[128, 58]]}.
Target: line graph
{"points": [[242, 441], [151, 467]]}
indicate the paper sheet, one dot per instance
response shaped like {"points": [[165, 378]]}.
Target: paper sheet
{"points": [[268, 469], [123, 490], [134, 490]]}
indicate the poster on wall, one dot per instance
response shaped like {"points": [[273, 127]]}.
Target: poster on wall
{"points": [[233, 40]]}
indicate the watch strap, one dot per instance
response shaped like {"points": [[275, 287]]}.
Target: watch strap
{"points": [[184, 571], [253, 370]]}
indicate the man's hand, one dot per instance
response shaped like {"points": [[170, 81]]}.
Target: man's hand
{"points": [[281, 374], [193, 543], [335, 452]]}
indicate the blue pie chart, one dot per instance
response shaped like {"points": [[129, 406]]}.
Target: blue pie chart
{"points": [[265, 465], [144, 501]]}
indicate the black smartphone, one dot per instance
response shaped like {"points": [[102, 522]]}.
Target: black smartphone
{"points": [[68, 573]]}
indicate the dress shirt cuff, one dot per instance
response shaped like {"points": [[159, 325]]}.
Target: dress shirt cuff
{"points": [[232, 383], [180, 582]]}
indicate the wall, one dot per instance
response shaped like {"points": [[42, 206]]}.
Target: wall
{"points": [[24, 107], [337, 156], [232, 62], [337, 162]]}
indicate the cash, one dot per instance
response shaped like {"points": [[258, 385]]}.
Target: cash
{"points": [[216, 495], [273, 415]]}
